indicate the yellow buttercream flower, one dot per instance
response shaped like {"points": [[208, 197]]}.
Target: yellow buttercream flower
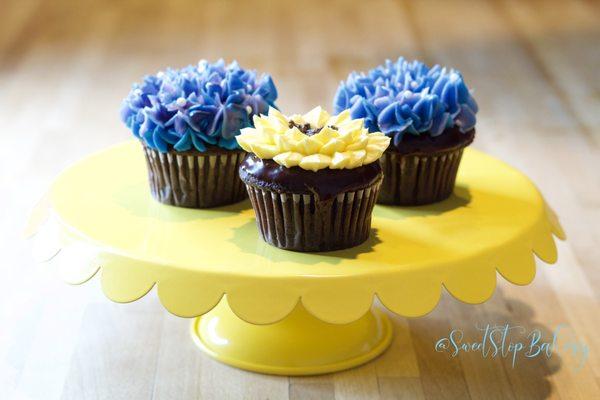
{"points": [[313, 141]]}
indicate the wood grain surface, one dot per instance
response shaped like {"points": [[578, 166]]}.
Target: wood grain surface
{"points": [[66, 65]]}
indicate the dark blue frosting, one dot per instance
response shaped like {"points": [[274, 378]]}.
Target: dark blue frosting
{"points": [[408, 97], [196, 106]]}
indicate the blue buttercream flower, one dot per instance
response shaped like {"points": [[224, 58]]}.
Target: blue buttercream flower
{"points": [[408, 97], [196, 106]]}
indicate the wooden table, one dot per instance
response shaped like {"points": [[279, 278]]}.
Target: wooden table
{"points": [[64, 67]]}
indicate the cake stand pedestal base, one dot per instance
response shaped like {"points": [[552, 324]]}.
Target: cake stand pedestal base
{"points": [[300, 344]]}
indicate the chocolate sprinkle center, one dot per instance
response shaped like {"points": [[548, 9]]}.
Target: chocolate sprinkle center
{"points": [[306, 129]]}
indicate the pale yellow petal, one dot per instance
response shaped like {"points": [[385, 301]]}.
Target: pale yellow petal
{"points": [[310, 146], [245, 141], [374, 152], [325, 135], [277, 124], [339, 161], [294, 133], [351, 125], [275, 113], [317, 117], [379, 140], [315, 162], [346, 136], [336, 120], [288, 159], [333, 146], [261, 122], [286, 143], [263, 150], [282, 144], [356, 158], [358, 144]]}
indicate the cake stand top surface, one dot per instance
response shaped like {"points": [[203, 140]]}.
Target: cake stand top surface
{"points": [[495, 220]]}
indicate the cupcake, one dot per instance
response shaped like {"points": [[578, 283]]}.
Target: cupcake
{"points": [[428, 113], [312, 179], [187, 120]]}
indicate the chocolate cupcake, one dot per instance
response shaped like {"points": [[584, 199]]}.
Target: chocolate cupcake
{"points": [[430, 115], [187, 120], [312, 179]]}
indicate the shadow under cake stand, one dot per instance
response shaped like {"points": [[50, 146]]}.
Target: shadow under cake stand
{"points": [[274, 311]]}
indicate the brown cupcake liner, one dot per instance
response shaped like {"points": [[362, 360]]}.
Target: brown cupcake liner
{"points": [[303, 222], [416, 179], [194, 179]]}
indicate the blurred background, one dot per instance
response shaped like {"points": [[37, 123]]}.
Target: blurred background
{"points": [[66, 65]]}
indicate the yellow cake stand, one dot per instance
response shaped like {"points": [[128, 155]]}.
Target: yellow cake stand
{"points": [[274, 311]]}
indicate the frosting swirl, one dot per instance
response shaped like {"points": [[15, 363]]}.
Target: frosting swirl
{"points": [[196, 106], [313, 141], [408, 97]]}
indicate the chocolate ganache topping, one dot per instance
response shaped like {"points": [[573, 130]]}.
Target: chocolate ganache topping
{"points": [[425, 144], [326, 184]]}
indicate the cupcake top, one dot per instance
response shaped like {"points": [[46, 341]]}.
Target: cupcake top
{"points": [[197, 106], [313, 141], [403, 97]]}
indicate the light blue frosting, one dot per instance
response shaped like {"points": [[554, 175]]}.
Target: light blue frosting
{"points": [[196, 106], [408, 97]]}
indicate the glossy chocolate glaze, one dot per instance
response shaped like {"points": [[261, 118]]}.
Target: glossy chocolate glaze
{"points": [[426, 143], [326, 183]]}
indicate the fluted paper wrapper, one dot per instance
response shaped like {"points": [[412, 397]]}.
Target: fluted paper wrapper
{"points": [[302, 222], [194, 179], [416, 179]]}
